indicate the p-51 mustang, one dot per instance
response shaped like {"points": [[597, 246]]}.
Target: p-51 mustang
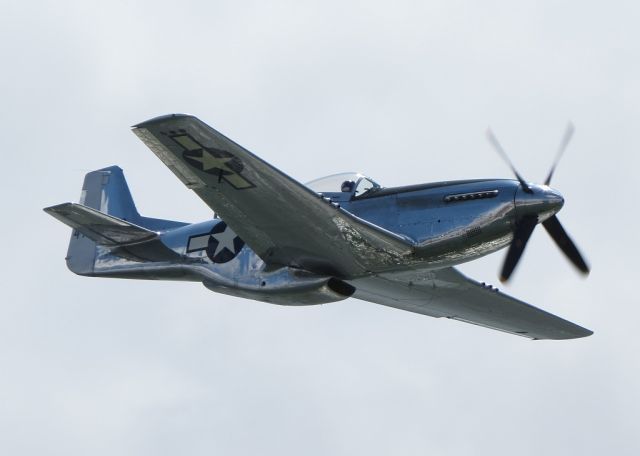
{"points": [[278, 241]]}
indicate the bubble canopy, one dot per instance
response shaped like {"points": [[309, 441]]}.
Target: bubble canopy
{"points": [[333, 183]]}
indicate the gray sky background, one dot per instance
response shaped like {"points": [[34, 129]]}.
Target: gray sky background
{"points": [[402, 91]]}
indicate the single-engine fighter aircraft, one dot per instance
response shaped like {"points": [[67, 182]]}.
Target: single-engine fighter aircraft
{"points": [[276, 240]]}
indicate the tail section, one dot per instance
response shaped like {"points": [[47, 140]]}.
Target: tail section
{"points": [[107, 191], [100, 191], [122, 228]]}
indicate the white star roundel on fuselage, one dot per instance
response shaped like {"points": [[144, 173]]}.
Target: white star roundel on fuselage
{"points": [[221, 243], [224, 244]]}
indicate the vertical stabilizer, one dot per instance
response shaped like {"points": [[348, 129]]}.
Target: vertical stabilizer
{"points": [[105, 190]]}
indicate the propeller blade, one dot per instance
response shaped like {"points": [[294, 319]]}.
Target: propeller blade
{"points": [[520, 237], [568, 133], [562, 239], [496, 145]]}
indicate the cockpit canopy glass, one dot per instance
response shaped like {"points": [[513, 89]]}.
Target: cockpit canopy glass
{"points": [[355, 183]]}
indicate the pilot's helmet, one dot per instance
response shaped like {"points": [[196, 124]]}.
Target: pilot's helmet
{"points": [[347, 186]]}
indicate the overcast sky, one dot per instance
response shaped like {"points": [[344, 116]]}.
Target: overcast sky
{"points": [[402, 91]]}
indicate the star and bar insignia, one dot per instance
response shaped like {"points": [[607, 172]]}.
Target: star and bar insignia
{"points": [[218, 162], [221, 243]]}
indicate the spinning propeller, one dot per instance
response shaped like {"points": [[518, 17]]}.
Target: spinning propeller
{"points": [[538, 199]]}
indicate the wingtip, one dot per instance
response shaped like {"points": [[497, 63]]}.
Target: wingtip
{"points": [[578, 333], [55, 207], [585, 333], [160, 119], [582, 334]]}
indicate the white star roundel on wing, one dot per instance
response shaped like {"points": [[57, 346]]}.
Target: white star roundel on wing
{"points": [[218, 162]]}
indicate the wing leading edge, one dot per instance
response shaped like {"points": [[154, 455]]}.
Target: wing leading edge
{"points": [[448, 293], [283, 221]]}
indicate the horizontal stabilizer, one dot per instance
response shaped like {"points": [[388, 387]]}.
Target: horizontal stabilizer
{"points": [[102, 228], [123, 238]]}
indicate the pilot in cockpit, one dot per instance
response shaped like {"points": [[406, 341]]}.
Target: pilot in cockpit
{"points": [[347, 186]]}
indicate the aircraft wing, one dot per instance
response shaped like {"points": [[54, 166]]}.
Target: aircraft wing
{"points": [[448, 293], [283, 221]]}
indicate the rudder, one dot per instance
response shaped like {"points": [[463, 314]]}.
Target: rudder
{"points": [[107, 191]]}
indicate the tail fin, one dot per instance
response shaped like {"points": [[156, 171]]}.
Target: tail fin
{"points": [[106, 190]]}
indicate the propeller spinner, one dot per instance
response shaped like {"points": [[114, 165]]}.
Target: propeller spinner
{"points": [[538, 204]]}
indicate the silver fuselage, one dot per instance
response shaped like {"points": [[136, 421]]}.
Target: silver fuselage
{"points": [[449, 222]]}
